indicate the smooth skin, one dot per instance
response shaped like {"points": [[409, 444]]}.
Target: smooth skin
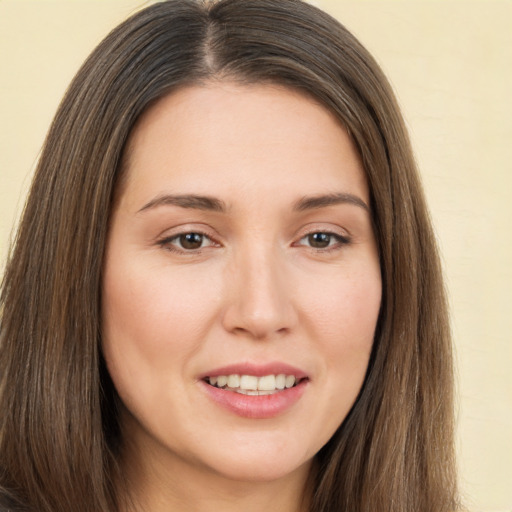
{"points": [[242, 234]]}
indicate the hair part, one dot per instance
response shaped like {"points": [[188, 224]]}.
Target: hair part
{"points": [[59, 442]]}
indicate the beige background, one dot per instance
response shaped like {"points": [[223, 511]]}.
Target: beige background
{"points": [[450, 63]]}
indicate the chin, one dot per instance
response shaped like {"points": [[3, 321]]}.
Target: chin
{"points": [[256, 470], [256, 460]]}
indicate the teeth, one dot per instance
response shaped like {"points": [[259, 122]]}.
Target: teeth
{"points": [[252, 385], [248, 382], [222, 380], [290, 381], [267, 383], [253, 392], [233, 381]]}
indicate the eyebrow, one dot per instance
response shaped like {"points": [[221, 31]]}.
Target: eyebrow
{"points": [[209, 203], [325, 200], [187, 201]]}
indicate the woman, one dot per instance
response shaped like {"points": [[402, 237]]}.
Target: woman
{"points": [[225, 288]]}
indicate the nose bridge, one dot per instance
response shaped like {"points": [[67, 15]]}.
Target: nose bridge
{"points": [[260, 303]]}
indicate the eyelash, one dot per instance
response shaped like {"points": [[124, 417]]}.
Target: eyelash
{"points": [[339, 240], [168, 242]]}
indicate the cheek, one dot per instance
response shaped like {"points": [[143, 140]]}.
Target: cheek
{"points": [[151, 317], [342, 318], [345, 307]]}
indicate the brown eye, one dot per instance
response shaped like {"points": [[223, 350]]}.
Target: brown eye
{"points": [[324, 240], [319, 240], [191, 241]]}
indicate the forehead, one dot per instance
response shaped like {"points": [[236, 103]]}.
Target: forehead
{"points": [[236, 136]]}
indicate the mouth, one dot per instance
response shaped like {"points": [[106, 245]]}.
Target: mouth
{"points": [[255, 391], [255, 385]]}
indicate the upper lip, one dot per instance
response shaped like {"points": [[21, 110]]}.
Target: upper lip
{"points": [[258, 370]]}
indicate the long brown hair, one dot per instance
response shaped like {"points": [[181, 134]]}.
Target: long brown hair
{"points": [[58, 424]]}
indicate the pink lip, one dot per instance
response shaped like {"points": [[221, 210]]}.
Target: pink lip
{"points": [[258, 370], [255, 407], [251, 406]]}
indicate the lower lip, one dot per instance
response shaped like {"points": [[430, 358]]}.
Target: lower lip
{"points": [[256, 406]]}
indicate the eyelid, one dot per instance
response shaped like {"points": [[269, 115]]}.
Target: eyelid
{"points": [[318, 227], [342, 240], [341, 235], [165, 240]]}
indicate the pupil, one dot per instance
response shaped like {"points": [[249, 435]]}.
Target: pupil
{"points": [[319, 240], [191, 240]]}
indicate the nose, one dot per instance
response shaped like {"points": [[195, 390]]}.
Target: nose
{"points": [[260, 304]]}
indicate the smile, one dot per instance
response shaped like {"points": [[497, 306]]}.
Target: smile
{"points": [[253, 385], [255, 391]]}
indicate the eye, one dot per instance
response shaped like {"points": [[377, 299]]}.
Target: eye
{"points": [[187, 242], [323, 240]]}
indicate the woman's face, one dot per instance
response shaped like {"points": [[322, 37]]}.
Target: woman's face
{"points": [[240, 254]]}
